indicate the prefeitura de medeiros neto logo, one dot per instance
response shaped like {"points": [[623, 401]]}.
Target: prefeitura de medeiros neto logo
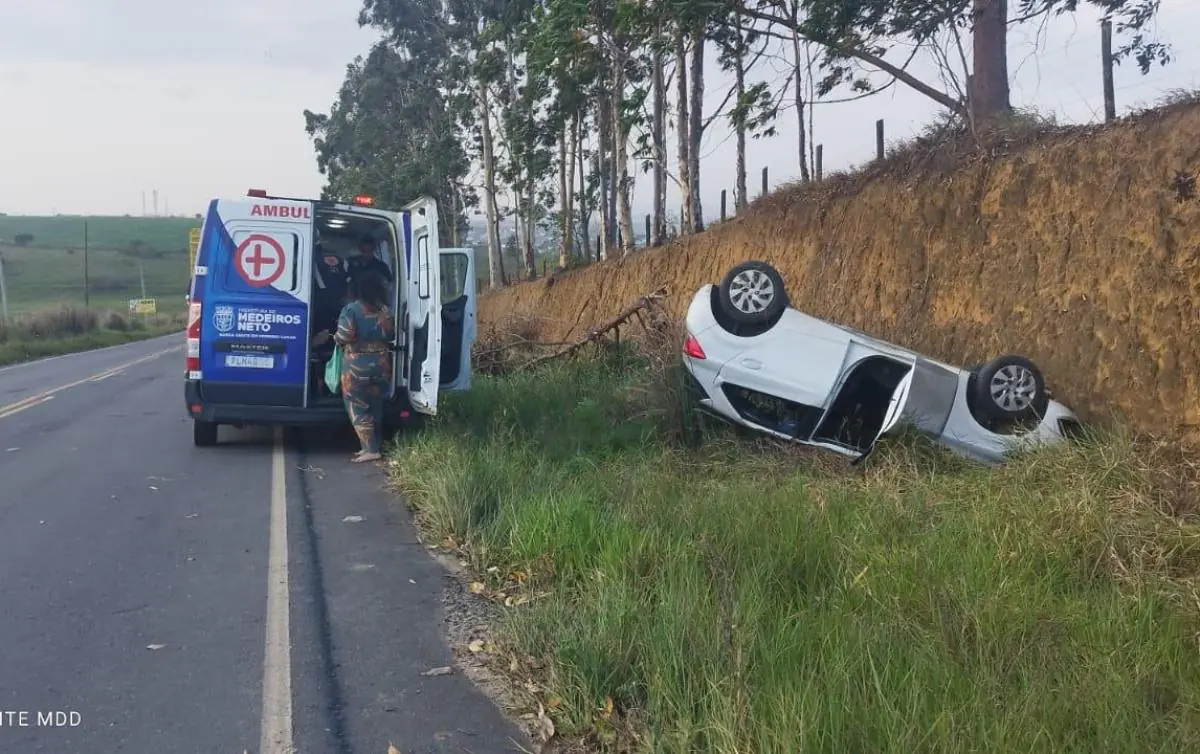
{"points": [[223, 318]]}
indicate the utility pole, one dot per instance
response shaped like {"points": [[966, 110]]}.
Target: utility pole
{"points": [[142, 275], [3, 291], [86, 285], [1106, 57]]}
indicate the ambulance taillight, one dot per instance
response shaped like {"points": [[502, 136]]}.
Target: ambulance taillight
{"points": [[195, 311]]}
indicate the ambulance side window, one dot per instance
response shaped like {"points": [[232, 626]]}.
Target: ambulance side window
{"points": [[454, 276], [423, 267], [264, 258]]}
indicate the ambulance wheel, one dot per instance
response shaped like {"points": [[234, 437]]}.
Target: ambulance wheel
{"points": [[204, 434]]}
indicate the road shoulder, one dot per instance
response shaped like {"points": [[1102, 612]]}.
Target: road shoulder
{"points": [[373, 605]]}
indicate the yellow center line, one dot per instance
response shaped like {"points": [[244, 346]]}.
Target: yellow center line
{"points": [[35, 400]]}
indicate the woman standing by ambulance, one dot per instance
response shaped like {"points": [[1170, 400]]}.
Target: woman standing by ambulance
{"points": [[365, 331]]}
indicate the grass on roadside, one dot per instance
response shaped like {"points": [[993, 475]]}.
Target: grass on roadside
{"points": [[54, 332], [742, 598]]}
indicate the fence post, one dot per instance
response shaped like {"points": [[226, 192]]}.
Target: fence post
{"points": [[86, 283], [820, 160], [3, 291], [764, 184], [879, 139], [722, 205], [648, 244], [1106, 58]]}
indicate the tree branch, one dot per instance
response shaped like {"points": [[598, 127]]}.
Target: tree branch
{"points": [[874, 60]]}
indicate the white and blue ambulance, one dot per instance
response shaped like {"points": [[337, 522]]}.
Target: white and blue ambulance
{"points": [[269, 275]]}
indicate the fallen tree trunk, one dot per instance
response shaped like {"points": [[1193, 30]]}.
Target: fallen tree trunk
{"points": [[597, 333]]}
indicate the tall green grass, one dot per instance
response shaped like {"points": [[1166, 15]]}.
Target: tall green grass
{"points": [[742, 598]]}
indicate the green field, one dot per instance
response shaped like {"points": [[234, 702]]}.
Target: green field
{"points": [[163, 234], [49, 270]]}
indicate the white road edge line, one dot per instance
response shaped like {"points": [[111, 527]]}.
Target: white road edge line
{"points": [[277, 664], [34, 400]]}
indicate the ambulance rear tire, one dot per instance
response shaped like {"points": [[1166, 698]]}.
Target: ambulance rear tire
{"points": [[204, 434]]}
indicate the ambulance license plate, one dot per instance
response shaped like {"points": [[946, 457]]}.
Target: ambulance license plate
{"points": [[252, 362]]}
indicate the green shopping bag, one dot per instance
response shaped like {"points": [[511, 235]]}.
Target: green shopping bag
{"points": [[333, 371]]}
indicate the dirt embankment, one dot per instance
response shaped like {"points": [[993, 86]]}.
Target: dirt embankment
{"points": [[1079, 249]]}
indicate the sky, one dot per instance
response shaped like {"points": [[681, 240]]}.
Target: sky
{"points": [[106, 101]]}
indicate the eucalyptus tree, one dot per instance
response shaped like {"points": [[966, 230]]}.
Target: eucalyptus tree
{"points": [[863, 32]]}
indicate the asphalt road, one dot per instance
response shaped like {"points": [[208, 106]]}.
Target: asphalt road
{"points": [[159, 597]]}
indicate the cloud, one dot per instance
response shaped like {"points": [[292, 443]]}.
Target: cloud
{"points": [[296, 34]]}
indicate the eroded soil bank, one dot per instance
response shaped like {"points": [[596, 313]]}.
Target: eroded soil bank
{"points": [[1079, 248]]}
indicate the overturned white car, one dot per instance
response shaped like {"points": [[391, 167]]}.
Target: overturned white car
{"points": [[756, 361]]}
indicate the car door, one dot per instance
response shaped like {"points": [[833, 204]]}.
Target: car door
{"points": [[800, 359], [423, 325], [254, 338], [458, 317], [924, 399]]}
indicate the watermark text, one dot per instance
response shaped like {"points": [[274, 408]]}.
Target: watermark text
{"points": [[12, 718]]}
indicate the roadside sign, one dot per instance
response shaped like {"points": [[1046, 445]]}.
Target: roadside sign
{"points": [[143, 306], [193, 244]]}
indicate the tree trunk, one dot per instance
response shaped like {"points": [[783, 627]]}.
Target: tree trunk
{"points": [[696, 129], [566, 183], [585, 207], [798, 80], [739, 121], [530, 225], [495, 257], [614, 178], [658, 229], [602, 170], [455, 217], [572, 148], [514, 150], [621, 157], [989, 95], [682, 133]]}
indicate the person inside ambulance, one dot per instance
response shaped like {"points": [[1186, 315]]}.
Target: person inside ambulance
{"points": [[366, 261], [329, 294]]}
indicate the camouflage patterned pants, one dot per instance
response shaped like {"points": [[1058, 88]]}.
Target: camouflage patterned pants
{"points": [[364, 403]]}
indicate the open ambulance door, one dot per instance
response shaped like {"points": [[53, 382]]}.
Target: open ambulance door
{"points": [[423, 323], [458, 317]]}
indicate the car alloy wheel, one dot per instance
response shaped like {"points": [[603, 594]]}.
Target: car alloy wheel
{"points": [[751, 291], [1013, 388], [1009, 388]]}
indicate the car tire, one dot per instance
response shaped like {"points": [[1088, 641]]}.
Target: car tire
{"points": [[1010, 388], [753, 293], [204, 434]]}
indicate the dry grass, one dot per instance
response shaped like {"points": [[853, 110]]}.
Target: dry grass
{"points": [[67, 329]]}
